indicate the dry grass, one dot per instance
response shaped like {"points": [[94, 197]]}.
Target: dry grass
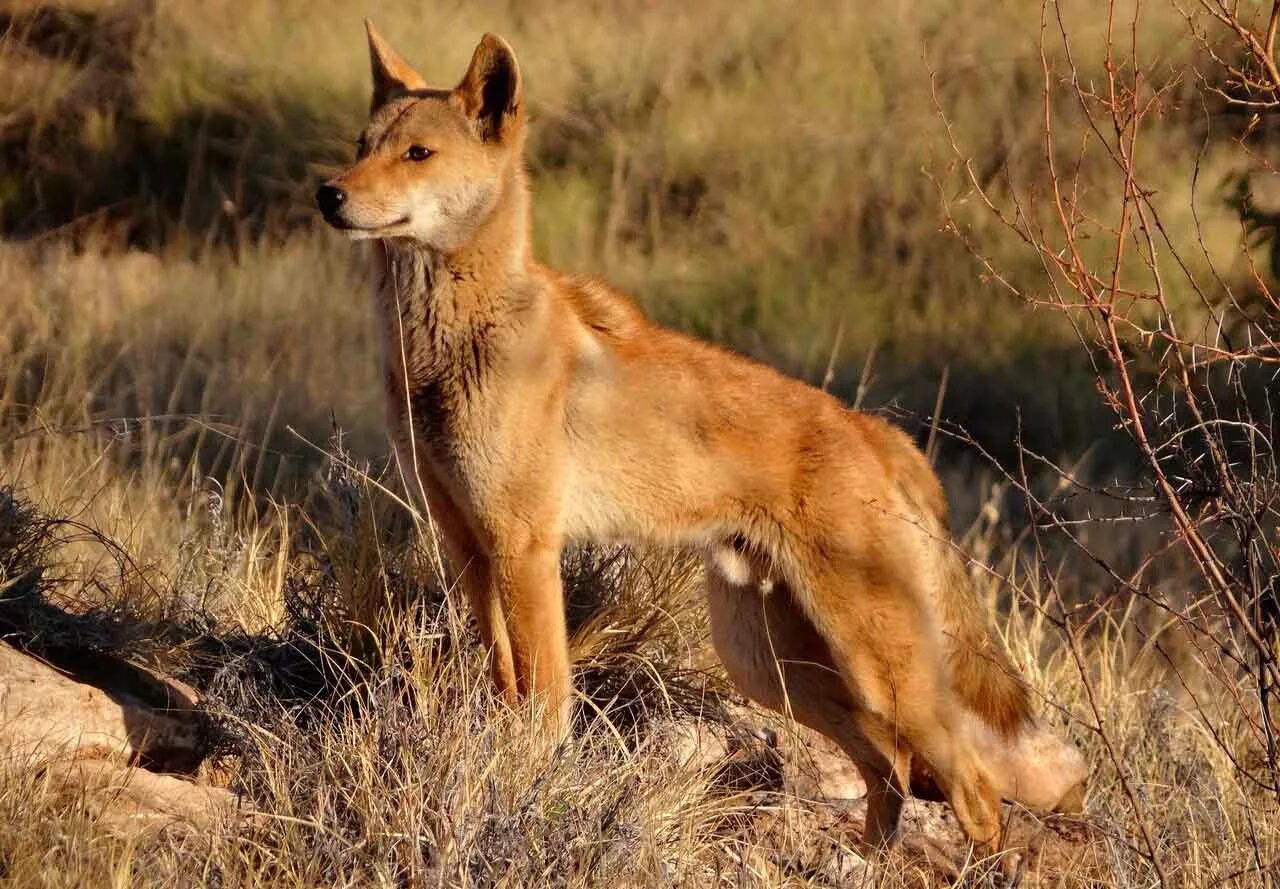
{"points": [[178, 340], [410, 773]]}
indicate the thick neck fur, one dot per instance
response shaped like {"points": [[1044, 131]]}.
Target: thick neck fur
{"points": [[448, 314]]}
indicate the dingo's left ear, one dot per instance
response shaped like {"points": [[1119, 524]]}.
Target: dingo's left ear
{"points": [[391, 73], [491, 92]]}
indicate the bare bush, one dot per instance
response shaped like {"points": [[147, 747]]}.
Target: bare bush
{"points": [[1182, 342]]}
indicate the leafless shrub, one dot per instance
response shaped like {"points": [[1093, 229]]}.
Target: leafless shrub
{"points": [[1184, 352]]}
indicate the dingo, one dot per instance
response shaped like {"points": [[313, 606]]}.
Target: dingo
{"points": [[528, 409]]}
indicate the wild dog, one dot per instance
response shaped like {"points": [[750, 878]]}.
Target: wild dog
{"points": [[527, 409]]}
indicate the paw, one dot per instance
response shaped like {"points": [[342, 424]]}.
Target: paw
{"points": [[1011, 869]]}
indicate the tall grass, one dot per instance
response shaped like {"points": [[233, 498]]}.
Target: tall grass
{"points": [[769, 180]]}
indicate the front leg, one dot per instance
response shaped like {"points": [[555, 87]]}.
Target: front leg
{"points": [[526, 580], [512, 581], [476, 578]]}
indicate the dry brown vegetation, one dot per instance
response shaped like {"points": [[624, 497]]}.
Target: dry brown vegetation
{"points": [[1056, 222]]}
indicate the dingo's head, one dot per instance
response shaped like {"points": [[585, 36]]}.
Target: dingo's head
{"points": [[431, 164]]}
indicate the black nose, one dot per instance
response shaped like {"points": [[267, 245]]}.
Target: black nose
{"points": [[330, 199]]}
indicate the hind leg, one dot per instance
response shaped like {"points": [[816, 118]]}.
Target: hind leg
{"points": [[776, 657], [886, 793]]}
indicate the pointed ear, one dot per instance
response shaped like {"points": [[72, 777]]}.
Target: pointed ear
{"points": [[492, 92], [391, 73]]}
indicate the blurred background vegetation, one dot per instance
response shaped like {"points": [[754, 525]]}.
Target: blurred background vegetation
{"points": [[768, 176]]}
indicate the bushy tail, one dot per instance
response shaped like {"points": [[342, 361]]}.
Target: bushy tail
{"points": [[981, 672]]}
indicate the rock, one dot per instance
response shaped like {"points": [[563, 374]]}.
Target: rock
{"points": [[86, 741], [817, 769], [823, 771], [693, 745], [738, 758], [45, 715], [129, 800]]}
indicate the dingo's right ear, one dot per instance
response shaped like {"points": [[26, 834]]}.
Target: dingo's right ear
{"points": [[391, 73], [492, 91]]}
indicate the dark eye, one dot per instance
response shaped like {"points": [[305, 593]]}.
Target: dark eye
{"points": [[417, 153], [362, 144]]}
